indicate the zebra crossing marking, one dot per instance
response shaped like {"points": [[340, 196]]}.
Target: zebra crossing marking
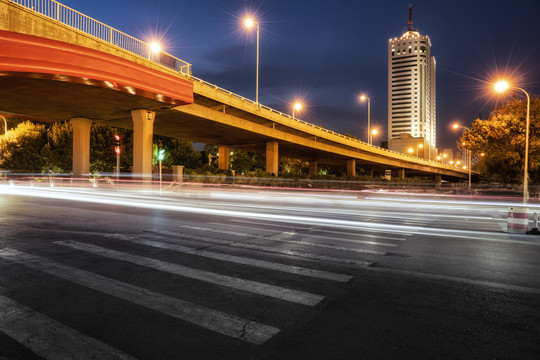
{"points": [[354, 241], [49, 338], [235, 259], [217, 321], [277, 292], [295, 253], [280, 238]]}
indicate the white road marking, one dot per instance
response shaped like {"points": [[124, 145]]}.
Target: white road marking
{"points": [[49, 338], [235, 259], [266, 248], [288, 241], [356, 233], [207, 318], [332, 236], [277, 292]]}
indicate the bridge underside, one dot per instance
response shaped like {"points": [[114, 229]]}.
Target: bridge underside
{"points": [[38, 98]]}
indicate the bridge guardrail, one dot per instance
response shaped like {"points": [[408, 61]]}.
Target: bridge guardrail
{"points": [[77, 20]]}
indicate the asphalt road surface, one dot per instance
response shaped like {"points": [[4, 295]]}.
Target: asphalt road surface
{"points": [[222, 273]]}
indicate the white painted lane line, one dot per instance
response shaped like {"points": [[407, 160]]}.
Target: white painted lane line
{"points": [[268, 249], [207, 318], [303, 254], [277, 292], [356, 233], [287, 240], [236, 259], [49, 338], [332, 236]]}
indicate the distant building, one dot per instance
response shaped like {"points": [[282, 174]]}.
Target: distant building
{"points": [[411, 89]]}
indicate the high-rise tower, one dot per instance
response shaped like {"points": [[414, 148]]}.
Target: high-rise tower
{"points": [[411, 90]]}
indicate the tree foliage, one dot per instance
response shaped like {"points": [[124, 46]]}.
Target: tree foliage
{"points": [[502, 139], [20, 147]]}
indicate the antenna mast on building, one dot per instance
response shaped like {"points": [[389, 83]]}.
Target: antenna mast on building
{"points": [[411, 20]]}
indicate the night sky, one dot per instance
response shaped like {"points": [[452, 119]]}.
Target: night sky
{"points": [[328, 52]]}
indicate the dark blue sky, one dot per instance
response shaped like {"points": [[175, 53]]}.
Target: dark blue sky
{"points": [[328, 52]]}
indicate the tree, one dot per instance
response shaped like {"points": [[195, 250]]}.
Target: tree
{"points": [[20, 148], [502, 139]]}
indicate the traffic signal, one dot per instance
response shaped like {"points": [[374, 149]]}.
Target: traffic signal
{"points": [[117, 143], [161, 151]]}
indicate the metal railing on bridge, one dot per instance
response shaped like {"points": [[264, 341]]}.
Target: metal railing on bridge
{"points": [[86, 24]]}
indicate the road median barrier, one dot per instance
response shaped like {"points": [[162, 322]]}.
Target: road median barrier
{"points": [[517, 220]]}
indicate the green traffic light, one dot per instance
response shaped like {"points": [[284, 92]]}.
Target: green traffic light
{"points": [[161, 154]]}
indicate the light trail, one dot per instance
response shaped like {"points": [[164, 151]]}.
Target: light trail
{"points": [[158, 204]]}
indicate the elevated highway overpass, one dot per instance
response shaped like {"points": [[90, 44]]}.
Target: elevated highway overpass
{"points": [[57, 64]]}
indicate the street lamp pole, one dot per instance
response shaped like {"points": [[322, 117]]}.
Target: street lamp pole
{"points": [[249, 23], [469, 153], [363, 98], [500, 87]]}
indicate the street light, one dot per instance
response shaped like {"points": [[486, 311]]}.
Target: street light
{"points": [[249, 23], [296, 107], [410, 150], [154, 48], [469, 153], [373, 133], [500, 87], [364, 98], [420, 146]]}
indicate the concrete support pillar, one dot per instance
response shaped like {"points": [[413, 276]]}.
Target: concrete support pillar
{"points": [[369, 172], [81, 146], [224, 156], [272, 157], [313, 170], [143, 132], [401, 173], [438, 180], [178, 173], [351, 167]]}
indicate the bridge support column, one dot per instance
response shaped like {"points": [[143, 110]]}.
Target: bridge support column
{"points": [[401, 173], [143, 132], [81, 146], [351, 167], [369, 172], [313, 170], [224, 157], [272, 157], [438, 180]]}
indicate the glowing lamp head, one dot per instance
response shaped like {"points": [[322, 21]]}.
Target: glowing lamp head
{"points": [[249, 22], [420, 146], [155, 47], [363, 97], [438, 157], [374, 132], [297, 106], [501, 86], [410, 150], [444, 156], [455, 126]]}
